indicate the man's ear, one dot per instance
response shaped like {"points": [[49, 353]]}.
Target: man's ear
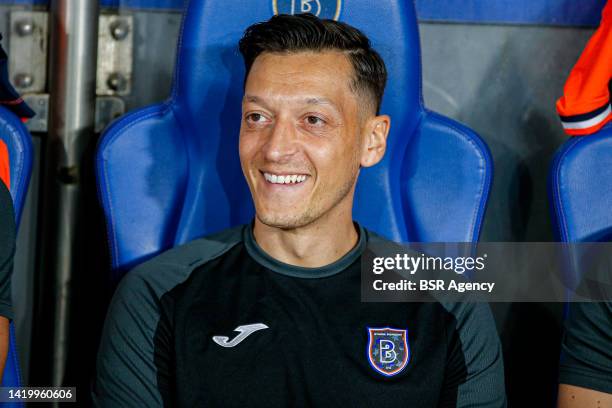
{"points": [[375, 130]]}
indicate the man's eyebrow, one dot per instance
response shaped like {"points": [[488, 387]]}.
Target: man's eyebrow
{"points": [[251, 98], [256, 100], [322, 102], [319, 101], [311, 100]]}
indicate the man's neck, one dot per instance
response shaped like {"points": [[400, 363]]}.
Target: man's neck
{"points": [[311, 246]]}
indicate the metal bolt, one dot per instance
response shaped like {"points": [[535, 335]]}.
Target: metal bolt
{"points": [[116, 82], [24, 80], [119, 29], [24, 27]]}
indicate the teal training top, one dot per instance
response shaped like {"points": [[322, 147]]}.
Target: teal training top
{"points": [[220, 323]]}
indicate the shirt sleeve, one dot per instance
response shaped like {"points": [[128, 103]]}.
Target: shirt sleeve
{"points": [[584, 107], [586, 349], [474, 374], [132, 365], [7, 250], [136, 360]]}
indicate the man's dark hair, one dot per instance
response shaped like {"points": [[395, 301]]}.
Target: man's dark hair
{"points": [[285, 33]]}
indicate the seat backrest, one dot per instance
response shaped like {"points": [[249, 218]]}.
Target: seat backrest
{"points": [[19, 145], [580, 188], [170, 172]]}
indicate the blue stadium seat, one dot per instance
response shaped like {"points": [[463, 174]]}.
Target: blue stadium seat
{"points": [[580, 193], [170, 172], [18, 141], [580, 188]]}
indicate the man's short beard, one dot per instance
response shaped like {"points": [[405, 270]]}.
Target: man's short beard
{"points": [[312, 214], [287, 222]]}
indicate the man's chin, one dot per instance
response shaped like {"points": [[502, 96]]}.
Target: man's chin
{"points": [[283, 221]]}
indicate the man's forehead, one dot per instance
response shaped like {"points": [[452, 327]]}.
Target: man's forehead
{"points": [[315, 58], [316, 78], [313, 67]]}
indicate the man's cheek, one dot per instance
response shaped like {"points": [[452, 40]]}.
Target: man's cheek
{"points": [[247, 150]]}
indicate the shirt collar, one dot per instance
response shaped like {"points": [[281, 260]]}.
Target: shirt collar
{"points": [[264, 259]]}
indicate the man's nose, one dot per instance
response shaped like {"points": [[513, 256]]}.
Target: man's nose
{"points": [[281, 144]]}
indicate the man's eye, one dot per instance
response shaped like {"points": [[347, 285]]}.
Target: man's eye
{"points": [[255, 117], [314, 120]]}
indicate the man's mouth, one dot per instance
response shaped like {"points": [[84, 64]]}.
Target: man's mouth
{"points": [[284, 178]]}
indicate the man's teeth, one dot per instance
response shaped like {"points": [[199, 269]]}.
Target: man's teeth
{"points": [[285, 179]]}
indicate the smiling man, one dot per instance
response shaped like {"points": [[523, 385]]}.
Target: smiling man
{"points": [[269, 314]]}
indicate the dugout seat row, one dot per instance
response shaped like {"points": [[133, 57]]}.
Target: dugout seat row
{"points": [[170, 172]]}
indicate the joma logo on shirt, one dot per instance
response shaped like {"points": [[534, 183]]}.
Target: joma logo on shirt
{"points": [[244, 332]]}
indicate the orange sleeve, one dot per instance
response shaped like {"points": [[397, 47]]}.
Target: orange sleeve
{"points": [[584, 107], [5, 170]]}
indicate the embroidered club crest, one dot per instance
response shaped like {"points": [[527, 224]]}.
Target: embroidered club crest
{"points": [[388, 350]]}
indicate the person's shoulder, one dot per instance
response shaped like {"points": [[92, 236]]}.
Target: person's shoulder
{"points": [[172, 267], [376, 242], [375, 238], [197, 251], [475, 328], [474, 340], [470, 315]]}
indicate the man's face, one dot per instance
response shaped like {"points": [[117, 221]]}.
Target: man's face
{"points": [[300, 136]]}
